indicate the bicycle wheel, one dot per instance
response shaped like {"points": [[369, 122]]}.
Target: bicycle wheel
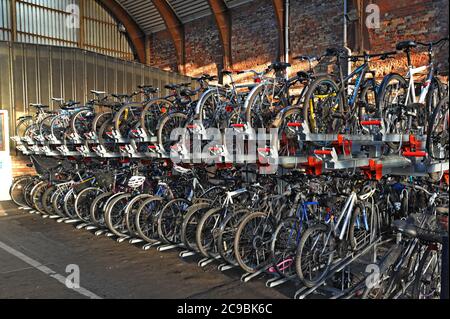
{"points": [[284, 246], [427, 284], [131, 211], [83, 202], [166, 128], [23, 125], [438, 132], [104, 137], [37, 196], [227, 233], [253, 240], [170, 220], [323, 106], [396, 110], [434, 97], [214, 109], [363, 226], [152, 113], [46, 200], [207, 232], [147, 219], [81, 122], [97, 216], [262, 106], [99, 120], [315, 254], [59, 126], [127, 118], [115, 215], [69, 204], [288, 132], [58, 202], [369, 99], [16, 191], [190, 224]]}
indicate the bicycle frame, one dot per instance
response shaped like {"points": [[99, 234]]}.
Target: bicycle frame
{"points": [[425, 87]]}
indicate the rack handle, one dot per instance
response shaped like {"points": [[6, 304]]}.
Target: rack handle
{"points": [[415, 154], [371, 123], [323, 152]]}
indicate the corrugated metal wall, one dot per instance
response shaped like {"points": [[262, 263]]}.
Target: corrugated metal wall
{"points": [[100, 32], [31, 73], [5, 20], [55, 22]]}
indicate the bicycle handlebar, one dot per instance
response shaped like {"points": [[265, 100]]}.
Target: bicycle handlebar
{"points": [[432, 44]]}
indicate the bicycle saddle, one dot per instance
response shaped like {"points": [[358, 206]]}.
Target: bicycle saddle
{"points": [[335, 52], [71, 105], [280, 66], [306, 58], [302, 75], [122, 96], [172, 86], [97, 92], [187, 92], [39, 106], [28, 117], [149, 89], [205, 77], [408, 227], [406, 45]]}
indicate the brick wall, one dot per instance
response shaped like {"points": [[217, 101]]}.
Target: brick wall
{"points": [[19, 166], [203, 47], [420, 20], [163, 53], [254, 35], [315, 25]]}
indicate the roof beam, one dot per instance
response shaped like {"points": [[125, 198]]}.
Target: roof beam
{"points": [[176, 30], [223, 21], [279, 7], [134, 32]]}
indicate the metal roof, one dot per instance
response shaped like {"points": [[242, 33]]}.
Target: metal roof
{"points": [[145, 14], [148, 18]]}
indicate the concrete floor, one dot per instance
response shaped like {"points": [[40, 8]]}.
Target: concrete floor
{"points": [[29, 244]]}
